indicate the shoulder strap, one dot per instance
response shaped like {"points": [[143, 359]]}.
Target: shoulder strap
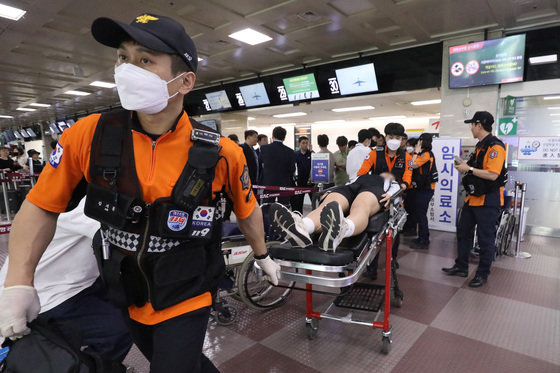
{"points": [[380, 162]]}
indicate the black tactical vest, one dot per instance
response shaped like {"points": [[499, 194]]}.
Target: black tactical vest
{"points": [[398, 168]]}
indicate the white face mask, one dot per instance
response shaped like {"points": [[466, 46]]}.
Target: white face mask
{"points": [[409, 149], [141, 90], [393, 144]]}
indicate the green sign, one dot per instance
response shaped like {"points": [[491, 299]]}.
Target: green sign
{"points": [[507, 126], [301, 87], [511, 104]]}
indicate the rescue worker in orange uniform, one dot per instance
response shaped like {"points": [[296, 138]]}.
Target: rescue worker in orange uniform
{"points": [[153, 178]]}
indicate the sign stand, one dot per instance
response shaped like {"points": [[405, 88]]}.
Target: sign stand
{"points": [[522, 188]]}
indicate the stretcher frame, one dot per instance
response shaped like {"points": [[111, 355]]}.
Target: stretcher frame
{"points": [[304, 273]]}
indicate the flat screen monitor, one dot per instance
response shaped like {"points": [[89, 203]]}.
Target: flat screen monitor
{"points": [[357, 79], [487, 62], [31, 132], [254, 95], [62, 126], [209, 123], [24, 134], [16, 135], [54, 128], [302, 87], [70, 122], [218, 100], [10, 135]]}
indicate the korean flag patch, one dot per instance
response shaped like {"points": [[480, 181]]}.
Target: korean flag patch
{"points": [[177, 220], [56, 156], [203, 216]]}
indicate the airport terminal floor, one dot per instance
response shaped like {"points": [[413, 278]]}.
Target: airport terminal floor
{"points": [[512, 324]]}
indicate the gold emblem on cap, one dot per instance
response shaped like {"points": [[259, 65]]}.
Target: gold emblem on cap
{"points": [[145, 18]]}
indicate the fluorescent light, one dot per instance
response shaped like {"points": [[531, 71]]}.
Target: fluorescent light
{"points": [[389, 117], [354, 108], [282, 125], [554, 108], [251, 118], [426, 102], [39, 105], [77, 93], [287, 115], [555, 115], [551, 97], [330, 121], [25, 109], [101, 84], [11, 13], [250, 36], [551, 58], [6, 117]]}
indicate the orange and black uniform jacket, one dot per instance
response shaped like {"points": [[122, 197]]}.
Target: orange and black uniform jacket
{"points": [[371, 158], [159, 164], [421, 160]]}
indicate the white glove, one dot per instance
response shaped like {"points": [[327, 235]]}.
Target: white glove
{"points": [[18, 305], [271, 268]]}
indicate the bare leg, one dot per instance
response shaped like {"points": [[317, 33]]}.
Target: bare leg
{"points": [[364, 206], [315, 215]]}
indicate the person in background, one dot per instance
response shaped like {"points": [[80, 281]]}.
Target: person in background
{"points": [[403, 141], [251, 154], [377, 139], [303, 164], [340, 156], [233, 137], [422, 191], [484, 178], [70, 289], [19, 156], [37, 163], [278, 163], [351, 145], [357, 155], [410, 144], [410, 226], [262, 140], [6, 163], [323, 142]]}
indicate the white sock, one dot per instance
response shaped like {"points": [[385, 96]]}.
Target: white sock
{"points": [[309, 225], [350, 228]]}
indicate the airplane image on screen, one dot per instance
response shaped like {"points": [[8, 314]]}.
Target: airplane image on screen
{"points": [[359, 82], [256, 96]]}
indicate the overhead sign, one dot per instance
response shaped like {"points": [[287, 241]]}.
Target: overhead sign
{"points": [[539, 148], [434, 125], [320, 167], [507, 126], [442, 212]]}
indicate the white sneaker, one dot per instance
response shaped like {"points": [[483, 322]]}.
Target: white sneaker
{"points": [[289, 225], [333, 226]]}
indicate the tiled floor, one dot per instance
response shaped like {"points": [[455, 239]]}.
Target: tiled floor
{"points": [[512, 324]]}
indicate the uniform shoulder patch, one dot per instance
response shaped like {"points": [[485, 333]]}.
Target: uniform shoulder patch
{"points": [[493, 154], [56, 156], [367, 157], [245, 179]]}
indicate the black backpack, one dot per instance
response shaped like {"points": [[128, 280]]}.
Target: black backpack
{"points": [[47, 350]]}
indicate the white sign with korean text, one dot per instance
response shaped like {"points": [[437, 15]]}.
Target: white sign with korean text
{"points": [[539, 148], [442, 212]]}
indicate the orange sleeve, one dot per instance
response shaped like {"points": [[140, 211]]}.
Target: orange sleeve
{"points": [[238, 184], [65, 168], [369, 162], [494, 159], [421, 159], [407, 176]]}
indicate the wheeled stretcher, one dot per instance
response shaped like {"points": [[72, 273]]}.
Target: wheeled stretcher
{"points": [[342, 269]]}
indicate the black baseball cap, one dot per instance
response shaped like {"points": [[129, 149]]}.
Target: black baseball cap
{"points": [[482, 117], [30, 152], [425, 136], [160, 33]]}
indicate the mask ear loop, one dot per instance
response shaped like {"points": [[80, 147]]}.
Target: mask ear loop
{"points": [[172, 80]]}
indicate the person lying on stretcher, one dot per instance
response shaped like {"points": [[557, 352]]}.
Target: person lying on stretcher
{"points": [[362, 199]]}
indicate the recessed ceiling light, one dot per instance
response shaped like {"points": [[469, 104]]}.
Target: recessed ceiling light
{"points": [[11, 13], [389, 117], [39, 105], [282, 125], [354, 108], [251, 118], [287, 115], [101, 84], [329, 121], [25, 109], [426, 102], [250, 36], [551, 97], [6, 117], [551, 58], [77, 93]]}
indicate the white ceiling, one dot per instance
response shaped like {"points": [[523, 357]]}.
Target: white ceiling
{"points": [[51, 50]]}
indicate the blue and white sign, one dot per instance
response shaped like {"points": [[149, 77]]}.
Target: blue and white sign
{"points": [[177, 220], [320, 167], [442, 212]]}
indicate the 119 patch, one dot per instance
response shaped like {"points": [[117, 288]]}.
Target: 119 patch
{"points": [[177, 220], [56, 156]]}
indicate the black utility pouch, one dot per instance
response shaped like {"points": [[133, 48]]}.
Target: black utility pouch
{"points": [[176, 275], [169, 221], [107, 206], [475, 186]]}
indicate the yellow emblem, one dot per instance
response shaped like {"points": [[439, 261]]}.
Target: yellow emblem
{"points": [[145, 18]]}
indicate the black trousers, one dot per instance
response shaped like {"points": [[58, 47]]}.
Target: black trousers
{"points": [[421, 200], [175, 345], [485, 219], [297, 201]]}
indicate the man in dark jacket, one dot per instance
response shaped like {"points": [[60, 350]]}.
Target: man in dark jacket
{"points": [[278, 163], [251, 154]]}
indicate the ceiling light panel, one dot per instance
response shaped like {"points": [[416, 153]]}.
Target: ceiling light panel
{"points": [[39, 105], [354, 108], [101, 84], [25, 109], [77, 93], [426, 102], [10, 12], [250, 36], [287, 115]]}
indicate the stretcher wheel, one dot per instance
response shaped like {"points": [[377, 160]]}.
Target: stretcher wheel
{"points": [[312, 328], [397, 300], [386, 345], [255, 291], [227, 315]]}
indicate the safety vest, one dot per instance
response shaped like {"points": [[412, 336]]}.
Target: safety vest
{"points": [[425, 175], [477, 186], [398, 168], [165, 252]]}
